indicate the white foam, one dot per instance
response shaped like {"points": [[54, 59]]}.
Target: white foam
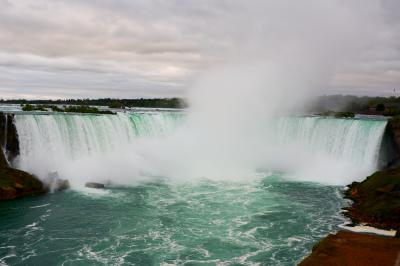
{"points": [[39, 206], [368, 229]]}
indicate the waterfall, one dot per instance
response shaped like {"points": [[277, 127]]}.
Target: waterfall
{"points": [[353, 140], [70, 137], [57, 142]]}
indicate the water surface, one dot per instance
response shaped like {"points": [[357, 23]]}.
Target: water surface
{"points": [[269, 221]]}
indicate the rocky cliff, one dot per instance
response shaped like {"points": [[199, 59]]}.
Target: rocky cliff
{"points": [[14, 183]]}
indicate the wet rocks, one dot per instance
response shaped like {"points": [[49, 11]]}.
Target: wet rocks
{"points": [[9, 136], [3, 160], [15, 183], [55, 183], [94, 185]]}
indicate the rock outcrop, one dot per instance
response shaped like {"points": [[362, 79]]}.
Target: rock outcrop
{"points": [[351, 249], [393, 129], [14, 183], [8, 136], [376, 200]]}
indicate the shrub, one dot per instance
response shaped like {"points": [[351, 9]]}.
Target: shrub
{"points": [[391, 111], [344, 115], [380, 107]]}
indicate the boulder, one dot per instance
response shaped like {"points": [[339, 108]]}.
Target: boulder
{"points": [[15, 183], [55, 183]]}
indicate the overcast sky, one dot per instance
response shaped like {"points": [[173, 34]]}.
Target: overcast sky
{"points": [[146, 48]]}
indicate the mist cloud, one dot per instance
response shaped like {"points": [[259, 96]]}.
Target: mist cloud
{"points": [[146, 48]]}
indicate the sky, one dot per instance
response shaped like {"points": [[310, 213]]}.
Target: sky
{"points": [[158, 48]]}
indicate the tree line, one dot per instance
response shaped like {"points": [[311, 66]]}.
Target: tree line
{"points": [[110, 102]]}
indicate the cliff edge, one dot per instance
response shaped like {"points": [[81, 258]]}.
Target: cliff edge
{"points": [[376, 202], [14, 183]]}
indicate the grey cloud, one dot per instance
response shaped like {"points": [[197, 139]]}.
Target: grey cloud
{"points": [[142, 48]]}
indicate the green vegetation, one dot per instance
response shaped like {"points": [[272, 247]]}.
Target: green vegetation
{"points": [[85, 109], [355, 104], [30, 107], [380, 107], [67, 109], [344, 115], [338, 114], [116, 104], [395, 121], [391, 111], [376, 199], [112, 103], [55, 108]]}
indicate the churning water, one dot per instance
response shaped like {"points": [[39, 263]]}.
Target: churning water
{"points": [[272, 217], [270, 221]]}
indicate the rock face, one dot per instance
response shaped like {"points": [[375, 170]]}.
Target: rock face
{"points": [[348, 249], [376, 200], [15, 183], [94, 185], [9, 136], [3, 160], [393, 129]]}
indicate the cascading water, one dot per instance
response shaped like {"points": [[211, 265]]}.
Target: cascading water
{"points": [[333, 151], [357, 141], [47, 142], [270, 220]]}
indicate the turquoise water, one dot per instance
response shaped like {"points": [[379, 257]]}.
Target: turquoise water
{"points": [[268, 221]]}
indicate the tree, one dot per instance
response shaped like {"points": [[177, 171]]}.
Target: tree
{"points": [[380, 107]]}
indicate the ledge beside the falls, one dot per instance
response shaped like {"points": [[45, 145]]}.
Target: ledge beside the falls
{"points": [[15, 183], [376, 200]]}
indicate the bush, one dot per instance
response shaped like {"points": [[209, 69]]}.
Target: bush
{"points": [[55, 108], [85, 109], [380, 107], [391, 111], [30, 107], [344, 115], [69, 109], [117, 105], [327, 113]]}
